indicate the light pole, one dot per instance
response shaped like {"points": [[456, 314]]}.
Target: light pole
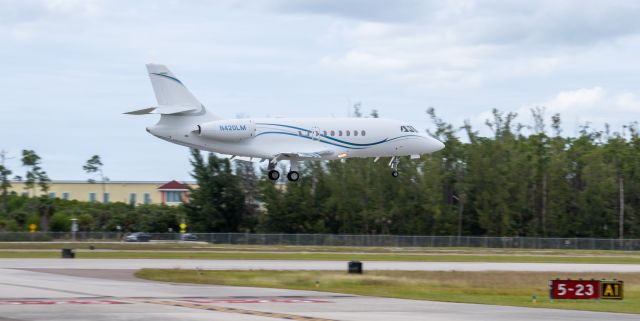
{"points": [[74, 228]]}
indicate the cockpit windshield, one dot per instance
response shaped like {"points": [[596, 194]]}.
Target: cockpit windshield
{"points": [[408, 129]]}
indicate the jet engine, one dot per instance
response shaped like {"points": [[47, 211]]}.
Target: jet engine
{"points": [[227, 130]]}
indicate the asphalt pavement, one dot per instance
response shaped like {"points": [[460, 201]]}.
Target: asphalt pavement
{"points": [[104, 289]]}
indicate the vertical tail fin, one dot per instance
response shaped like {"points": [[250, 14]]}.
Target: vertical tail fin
{"points": [[169, 90]]}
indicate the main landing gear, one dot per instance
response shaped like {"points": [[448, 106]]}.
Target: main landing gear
{"points": [[293, 176], [274, 175], [395, 160]]}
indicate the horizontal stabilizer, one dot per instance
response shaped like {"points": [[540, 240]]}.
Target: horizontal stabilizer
{"points": [[163, 110], [168, 110]]}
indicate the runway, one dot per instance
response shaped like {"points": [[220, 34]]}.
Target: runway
{"points": [[119, 264], [105, 290]]}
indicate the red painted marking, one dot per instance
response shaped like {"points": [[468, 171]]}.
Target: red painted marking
{"points": [[56, 302], [254, 301]]}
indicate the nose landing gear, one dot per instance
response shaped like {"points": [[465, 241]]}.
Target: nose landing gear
{"points": [[395, 160]]}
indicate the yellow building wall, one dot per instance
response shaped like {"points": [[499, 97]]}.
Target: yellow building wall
{"points": [[119, 191]]}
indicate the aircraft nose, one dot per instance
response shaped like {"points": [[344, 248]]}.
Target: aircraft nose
{"points": [[439, 145], [433, 145]]}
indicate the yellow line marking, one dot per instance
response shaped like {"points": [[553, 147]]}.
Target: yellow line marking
{"points": [[233, 310]]}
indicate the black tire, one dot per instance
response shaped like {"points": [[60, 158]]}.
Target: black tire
{"points": [[394, 173], [274, 175], [293, 176]]}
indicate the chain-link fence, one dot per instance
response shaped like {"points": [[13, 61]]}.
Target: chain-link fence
{"points": [[340, 240]]}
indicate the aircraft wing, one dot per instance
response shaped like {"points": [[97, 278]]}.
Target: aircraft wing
{"points": [[305, 155]]}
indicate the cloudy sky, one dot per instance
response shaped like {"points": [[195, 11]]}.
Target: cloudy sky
{"points": [[71, 68]]}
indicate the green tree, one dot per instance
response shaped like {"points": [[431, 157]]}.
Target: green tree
{"points": [[217, 204], [35, 175], [5, 184], [246, 173], [94, 166]]}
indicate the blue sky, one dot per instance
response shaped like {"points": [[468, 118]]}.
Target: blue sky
{"points": [[71, 68]]}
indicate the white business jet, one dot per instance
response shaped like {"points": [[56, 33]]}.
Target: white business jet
{"points": [[185, 121]]}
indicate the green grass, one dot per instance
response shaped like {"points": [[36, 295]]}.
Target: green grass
{"points": [[119, 250], [329, 256], [206, 247], [499, 288]]}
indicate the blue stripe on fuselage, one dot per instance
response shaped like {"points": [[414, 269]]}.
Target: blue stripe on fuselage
{"points": [[308, 137], [327, 137]]}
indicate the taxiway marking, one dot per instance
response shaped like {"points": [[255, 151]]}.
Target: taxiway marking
{"points": [[235, 310]]}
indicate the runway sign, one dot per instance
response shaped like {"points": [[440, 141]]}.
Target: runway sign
{"points": [[611, 290], [574, 289], [58, 302]]}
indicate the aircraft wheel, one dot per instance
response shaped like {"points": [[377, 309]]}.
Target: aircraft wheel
{"points": [[293, 176], [394, 173], [274, 175]]}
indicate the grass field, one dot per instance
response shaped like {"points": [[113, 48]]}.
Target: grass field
{"points": [[207, 247], [87, 254], [257, 252], [500, 288]]}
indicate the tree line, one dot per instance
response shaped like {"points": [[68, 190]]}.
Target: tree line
{"points": [[522, 180]]}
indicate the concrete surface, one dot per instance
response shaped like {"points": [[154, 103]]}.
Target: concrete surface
{"points": [[128, 264], [106, 291]]}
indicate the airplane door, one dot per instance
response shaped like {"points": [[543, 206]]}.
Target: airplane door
{"points": [[315, 132]]}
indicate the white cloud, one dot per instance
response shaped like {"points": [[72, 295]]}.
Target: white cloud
{"points": [[593, 103], [595, 106], [89, 8]]}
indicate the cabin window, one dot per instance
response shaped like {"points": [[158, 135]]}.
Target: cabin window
{"points": [[333, 133], [324, 133], [348, 133], [339, 133], [299, 133], [355, 133], [363, 133]]}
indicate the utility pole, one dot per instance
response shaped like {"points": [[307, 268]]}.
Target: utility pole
{"points": [[621, 189]]}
